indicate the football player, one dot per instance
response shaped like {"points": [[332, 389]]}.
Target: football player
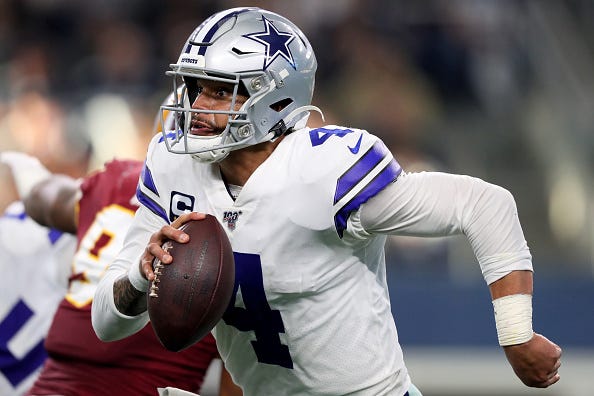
{"points": [[307, 212], [34, 262], [99, 209]]}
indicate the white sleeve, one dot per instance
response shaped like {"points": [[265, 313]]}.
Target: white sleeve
{"points": [[110, 324], [441, 204]]}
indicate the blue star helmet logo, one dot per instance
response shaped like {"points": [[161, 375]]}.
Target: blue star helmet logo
{"points": [[276, 42]]}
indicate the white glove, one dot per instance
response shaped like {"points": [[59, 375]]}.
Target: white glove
{"points": [[27, 170], [169, 391]]}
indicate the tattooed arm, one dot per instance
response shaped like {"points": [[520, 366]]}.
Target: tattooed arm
{"points": [[119, 305], [127, 299], [129, 292]]}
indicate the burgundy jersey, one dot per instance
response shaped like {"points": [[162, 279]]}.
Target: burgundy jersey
{"points": [[79, 363]]}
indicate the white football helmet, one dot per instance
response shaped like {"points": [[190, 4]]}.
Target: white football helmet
{"points": [[261, 53]]}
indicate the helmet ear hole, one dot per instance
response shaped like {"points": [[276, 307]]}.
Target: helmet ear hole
{"points": [[281, 104]]}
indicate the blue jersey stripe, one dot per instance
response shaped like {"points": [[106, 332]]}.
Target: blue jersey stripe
{"points": [[54, 235], [147, 179], [360, 169], [151, 204], [170, 135], [18, 216], [385, 177]]}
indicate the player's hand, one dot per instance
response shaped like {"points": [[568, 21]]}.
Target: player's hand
{"points": [[26, 170], [535, 362], [154, 248]]}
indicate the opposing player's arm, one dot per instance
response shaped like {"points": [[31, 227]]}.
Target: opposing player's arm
{"points": [[49, 199], [52, 202]]}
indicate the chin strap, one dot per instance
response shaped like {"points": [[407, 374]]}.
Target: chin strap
{"points": [[278, 129], [303, 109]]}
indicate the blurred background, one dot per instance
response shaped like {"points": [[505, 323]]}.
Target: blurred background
{"points": [[501, 90]]}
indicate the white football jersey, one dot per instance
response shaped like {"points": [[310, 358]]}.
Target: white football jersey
{"points": [[310, 314], [35, 263]]}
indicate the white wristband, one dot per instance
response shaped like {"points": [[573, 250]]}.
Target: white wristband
{"points": [[513, 319], [137, 279]]}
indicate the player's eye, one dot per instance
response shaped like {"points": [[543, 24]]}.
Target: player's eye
{"points": [[223, 92]]}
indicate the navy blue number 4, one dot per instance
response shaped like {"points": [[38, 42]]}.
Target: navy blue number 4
{"points": [[257, 315], [17, 369]]}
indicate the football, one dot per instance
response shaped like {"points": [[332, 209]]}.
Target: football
{"points": [[189, 296]]}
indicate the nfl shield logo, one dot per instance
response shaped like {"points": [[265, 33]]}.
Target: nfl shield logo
{"points": [[231, 217]]}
